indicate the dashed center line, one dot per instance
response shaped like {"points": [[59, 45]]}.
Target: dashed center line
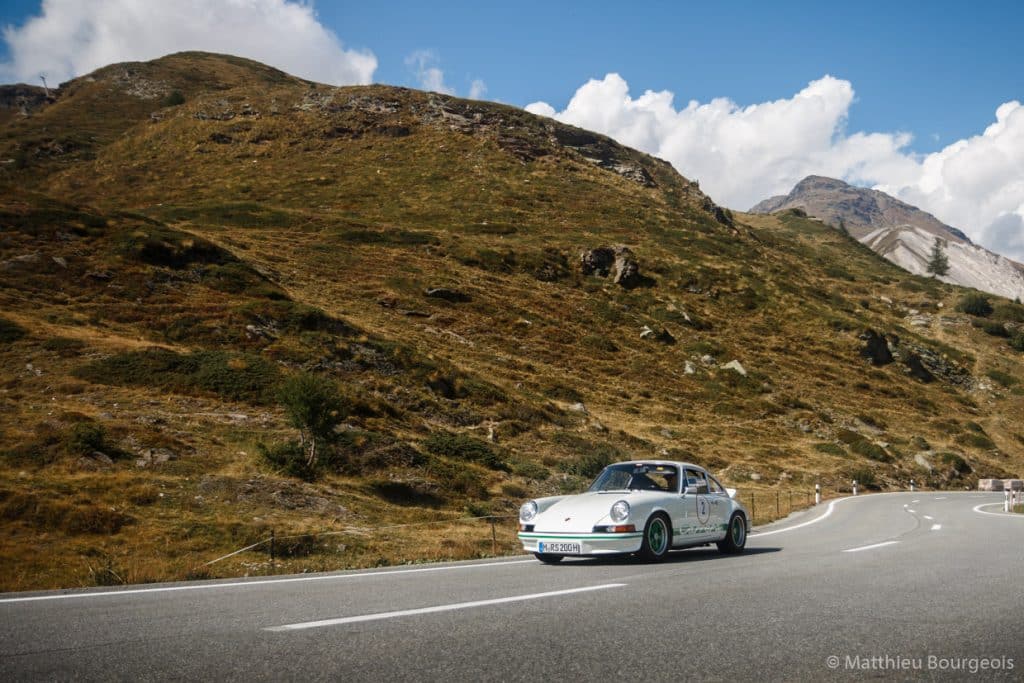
{"points": [[870, 547], [929, 517], [437, 608], [936, 527]]}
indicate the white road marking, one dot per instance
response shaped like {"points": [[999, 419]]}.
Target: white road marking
{"points": [[869, 547], [940, 498], [936, 527], [437, 608], [262, 582], [914, 501], [977, 508], [929, 517], [831, 506], [913, 512]]}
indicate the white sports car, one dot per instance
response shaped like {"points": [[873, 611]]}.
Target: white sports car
{"points": [[646, 507]]}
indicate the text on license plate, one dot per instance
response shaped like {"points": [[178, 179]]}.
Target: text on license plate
{"points": [[567, 548]]}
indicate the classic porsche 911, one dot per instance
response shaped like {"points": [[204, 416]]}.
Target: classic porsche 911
{"points": [[646, 507]]}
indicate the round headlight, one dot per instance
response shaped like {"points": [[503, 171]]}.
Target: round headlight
{"points": [[528, 511], [620, 511]]}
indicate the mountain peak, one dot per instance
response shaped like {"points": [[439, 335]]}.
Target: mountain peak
{"points": [[902, 233]]}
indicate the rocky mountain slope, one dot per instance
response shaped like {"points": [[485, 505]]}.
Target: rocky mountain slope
{"points": [[506, 303], [901, 233]]}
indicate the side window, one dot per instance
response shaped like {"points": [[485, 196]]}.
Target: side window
{"points": [[696, 482], [714, 486]]}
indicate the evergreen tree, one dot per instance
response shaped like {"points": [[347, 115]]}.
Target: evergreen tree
{"points": [[938, 263]]}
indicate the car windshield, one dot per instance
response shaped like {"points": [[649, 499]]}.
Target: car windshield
{"points": [[634, 476]]}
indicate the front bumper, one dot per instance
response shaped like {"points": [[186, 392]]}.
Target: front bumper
{"points": [[590, 544]]}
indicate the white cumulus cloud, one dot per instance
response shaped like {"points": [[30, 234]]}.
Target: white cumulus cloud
{"points": [[73, 37], [477, 89], [428, 73], [742, 154]]}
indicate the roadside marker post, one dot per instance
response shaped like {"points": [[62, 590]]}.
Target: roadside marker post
{"points": [[817, 494], [911, 485], [855, 487], [1006, 501]]}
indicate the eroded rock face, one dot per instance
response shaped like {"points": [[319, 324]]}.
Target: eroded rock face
{"points": [[619, 262], [876, 348], [597, 261], [919, 362]]}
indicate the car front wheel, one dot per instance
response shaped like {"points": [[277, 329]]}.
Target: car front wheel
{"points": [[657, 539], [735, 537]]}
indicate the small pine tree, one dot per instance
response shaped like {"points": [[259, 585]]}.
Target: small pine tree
{"points": [[314, 407], [938, 263]]}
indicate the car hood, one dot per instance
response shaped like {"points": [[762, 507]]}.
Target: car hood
{"points": [[580, 513]]}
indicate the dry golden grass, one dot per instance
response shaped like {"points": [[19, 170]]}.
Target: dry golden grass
{"points": [[318, 201]]}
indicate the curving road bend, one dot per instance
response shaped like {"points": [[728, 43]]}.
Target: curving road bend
{"points": [[922, 585]]}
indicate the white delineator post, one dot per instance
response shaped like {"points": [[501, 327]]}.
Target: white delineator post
{"points": [[855, 487], [817, 494], [911, 485], [1006, 501]]}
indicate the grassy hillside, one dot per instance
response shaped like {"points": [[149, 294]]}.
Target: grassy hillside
{"points": [[210, 245]]}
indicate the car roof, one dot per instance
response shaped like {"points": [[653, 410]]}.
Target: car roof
{"points": [[662, 462]]}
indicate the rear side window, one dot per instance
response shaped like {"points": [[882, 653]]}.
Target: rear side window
{"points": [[696, 482]]}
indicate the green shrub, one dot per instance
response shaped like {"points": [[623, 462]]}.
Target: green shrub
{"points": [[530, 470], [975, 440], [955, 461], [173, 99], [1009, 312], [237, 377], [864, 477], [976, 304], [590, 464], [86, 437], [514, 490], [464, 447], [314, 407], [996, 329], [10, 331], [64, 346], [289, 458], [1017, 343], [870, 450], [829, 448]]}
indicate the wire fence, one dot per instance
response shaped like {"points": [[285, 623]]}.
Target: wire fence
{"points": [[436, 540]]}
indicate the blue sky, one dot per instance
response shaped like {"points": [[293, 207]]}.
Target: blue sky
{"points": [[918, 99], [935, 68], [931, 68]]}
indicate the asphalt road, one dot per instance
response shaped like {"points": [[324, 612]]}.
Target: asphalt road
{"points": [[941, 597]]}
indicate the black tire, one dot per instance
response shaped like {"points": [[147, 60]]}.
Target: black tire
{"points": [[548, 559], [735, 536], [657, 538]]}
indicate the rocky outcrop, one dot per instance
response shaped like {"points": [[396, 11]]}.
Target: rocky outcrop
{"points": [[619, 262], [876, 348], [920, 362]]}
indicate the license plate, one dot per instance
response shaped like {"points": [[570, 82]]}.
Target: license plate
{"points": [[560, 548]]}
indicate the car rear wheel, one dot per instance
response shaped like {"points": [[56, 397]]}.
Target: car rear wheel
{"points": [[735, 537], [657, 538], [548, 559]]}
